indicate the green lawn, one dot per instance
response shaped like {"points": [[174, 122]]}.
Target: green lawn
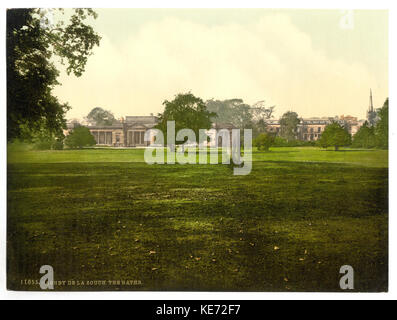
{"points": [[104, 214]]}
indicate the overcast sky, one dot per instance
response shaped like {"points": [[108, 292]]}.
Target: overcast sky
{"points": [[297, 60]]}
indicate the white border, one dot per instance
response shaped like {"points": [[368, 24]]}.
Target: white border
{"points": [[302, 4]]}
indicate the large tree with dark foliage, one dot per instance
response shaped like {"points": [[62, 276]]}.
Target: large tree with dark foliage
{"points": [[188, 112], [32, 43], [335, 135]]}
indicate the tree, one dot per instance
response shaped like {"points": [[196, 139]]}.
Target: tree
{"points": [[261, 112], [242, 115], [365, 137], [288, 125], [80, 137], [100, 117], [382, 126], [260, 115], [32, 44], [335, 135], [233, 111], [188, 112], [46, 140], [264, 141]]}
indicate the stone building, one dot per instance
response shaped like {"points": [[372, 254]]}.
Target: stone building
{"points": [[310, 129], [123, 133], [130, 132]]}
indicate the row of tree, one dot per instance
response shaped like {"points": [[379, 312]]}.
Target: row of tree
{"points": [[336, 135], [192, 112]]}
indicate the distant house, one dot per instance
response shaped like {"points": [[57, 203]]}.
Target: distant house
{"points": [[216, 129], [122, 133], [310, 129], [125, 133]]}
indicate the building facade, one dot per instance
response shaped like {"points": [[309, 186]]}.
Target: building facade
{"points": [[130, 132], [311, 129], [124, 133]]}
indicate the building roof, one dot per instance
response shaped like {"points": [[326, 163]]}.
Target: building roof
{"points": [[141, 119], [223, 125], [113, 126]]}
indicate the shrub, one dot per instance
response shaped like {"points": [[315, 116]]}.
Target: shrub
{"points": [[80, 137], [264, 141], [57, 145], [44, 144], [44, 140]]}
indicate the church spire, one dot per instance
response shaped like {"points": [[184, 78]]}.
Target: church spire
{"points": [[371, 106], [371, 114]]}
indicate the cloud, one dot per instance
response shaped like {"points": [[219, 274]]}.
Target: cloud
{"points": [[269, 59]]}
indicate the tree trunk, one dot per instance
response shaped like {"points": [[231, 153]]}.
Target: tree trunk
{"points": [[336, 148]]}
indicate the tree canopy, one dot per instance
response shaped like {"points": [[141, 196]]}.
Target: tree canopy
{"points": [[188, 112], [335, 135], [32, 45], [100, 117], [233, 111], [288, 125], [241, 115], [375, 135], [364, 137]]}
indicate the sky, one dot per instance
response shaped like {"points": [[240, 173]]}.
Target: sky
{"points": [[314, 62]]}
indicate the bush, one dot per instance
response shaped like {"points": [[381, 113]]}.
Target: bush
{"points": [[44, 140], [264, 141], [80, 137], [58, 145], [44, 144]]}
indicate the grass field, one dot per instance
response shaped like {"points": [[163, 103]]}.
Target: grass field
{"points": [[104, 214]]}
